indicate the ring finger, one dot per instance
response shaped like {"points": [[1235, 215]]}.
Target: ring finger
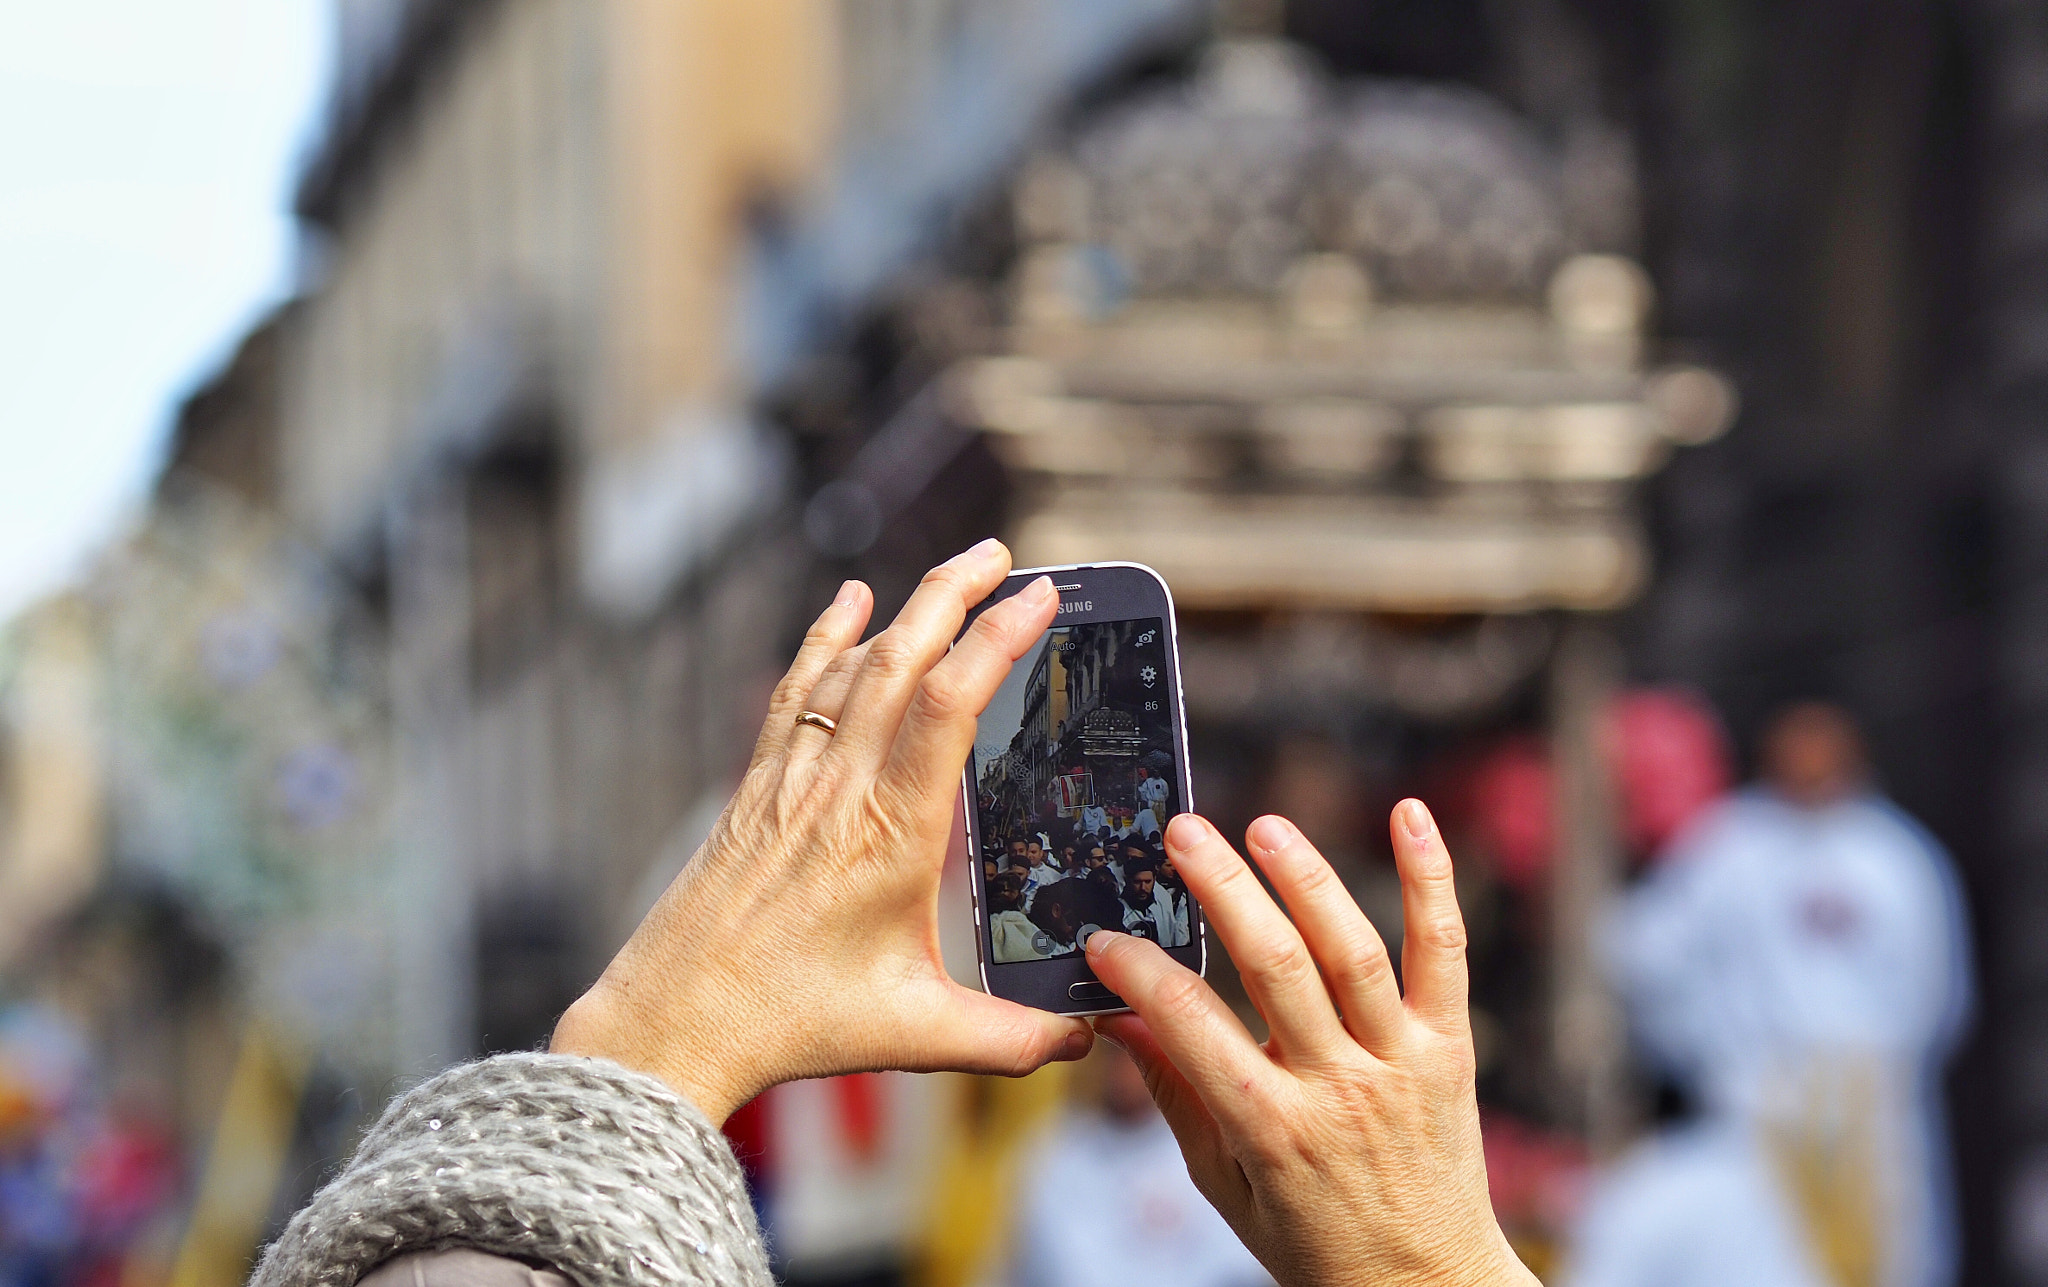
{"points": [[828, 698], [837, 628]]}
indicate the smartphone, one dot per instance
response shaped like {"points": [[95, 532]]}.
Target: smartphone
{"points": [[1078, 762]]}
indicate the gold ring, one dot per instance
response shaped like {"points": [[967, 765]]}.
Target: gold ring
{"points": [[816, 720]]}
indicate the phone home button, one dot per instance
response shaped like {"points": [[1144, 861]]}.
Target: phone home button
{"points": [[1092, 992]]}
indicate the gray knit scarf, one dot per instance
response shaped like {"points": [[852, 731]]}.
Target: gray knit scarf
{"points": [[605, 1174]]}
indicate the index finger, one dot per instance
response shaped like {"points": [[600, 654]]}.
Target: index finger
{"points": [[1234, 1078], [899, 656], [938, 729]]}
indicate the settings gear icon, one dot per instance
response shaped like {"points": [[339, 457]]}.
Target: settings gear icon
{"points": [[1148, 675]]}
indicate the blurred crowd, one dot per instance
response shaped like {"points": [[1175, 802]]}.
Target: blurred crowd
{"points": [[1046, 896], [1090, 870], [89, 1185]]}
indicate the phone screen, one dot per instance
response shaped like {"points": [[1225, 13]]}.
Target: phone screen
{"points": [[1075, 775]]}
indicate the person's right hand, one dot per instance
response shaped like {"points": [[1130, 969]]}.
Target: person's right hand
{"points": [[1346, 1150]]}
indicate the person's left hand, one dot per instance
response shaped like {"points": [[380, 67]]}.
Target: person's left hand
{"points": [[1346, 1148], [802, 939]]}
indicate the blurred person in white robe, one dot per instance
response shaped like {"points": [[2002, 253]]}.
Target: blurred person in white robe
{"points": [[1146, 824], [1153, 792], [1107, 1202], [1798, 963], [1172, 897], [1041, 868], [1012, 933], [1094, 819]]}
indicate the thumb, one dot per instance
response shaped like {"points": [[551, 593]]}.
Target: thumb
{"points": [[985, 1034]]}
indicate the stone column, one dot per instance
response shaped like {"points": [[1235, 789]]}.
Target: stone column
{"points": [[1588, 1042]]}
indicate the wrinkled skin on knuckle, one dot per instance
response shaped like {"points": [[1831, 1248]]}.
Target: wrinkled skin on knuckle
{"points": [[1453, 1066], [941, 698], [1363, 964], [1027, 1055], [1444, 933], [904, 814], [1284, 966], [891, 655], [1318, 880], [948, 575], [794, 685], [1178, 998], [789, 691], [996, 626]]}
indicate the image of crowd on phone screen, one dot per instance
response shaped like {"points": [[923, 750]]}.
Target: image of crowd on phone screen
{"points": [[1075, 783]]}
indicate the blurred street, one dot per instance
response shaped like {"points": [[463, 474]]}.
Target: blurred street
{"points": [[1620, 424]]}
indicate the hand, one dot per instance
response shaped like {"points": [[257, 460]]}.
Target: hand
{"points": [[1346, 1150], [802, 939]]}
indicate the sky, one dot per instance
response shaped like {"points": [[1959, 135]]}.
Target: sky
{"points": [[147, 154], [1005, 711]]}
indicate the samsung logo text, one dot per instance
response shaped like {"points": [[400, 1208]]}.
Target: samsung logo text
{"points": [[1077, 605]]}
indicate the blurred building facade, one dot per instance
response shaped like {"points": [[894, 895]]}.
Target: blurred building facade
{"points": [[563, 249], [1386, 329]]}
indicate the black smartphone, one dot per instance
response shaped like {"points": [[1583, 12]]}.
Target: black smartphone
{"points": [[1078, 762]]}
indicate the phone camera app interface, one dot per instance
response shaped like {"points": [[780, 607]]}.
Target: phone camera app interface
{"points": [[1074, 773]]}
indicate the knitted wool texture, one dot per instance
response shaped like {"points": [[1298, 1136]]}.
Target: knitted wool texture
{"points": [[605, 1174]]}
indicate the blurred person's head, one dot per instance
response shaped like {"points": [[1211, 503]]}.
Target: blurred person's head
{"points": [[1006, 894], [1033, 853], [1016, 852], [1055, 913], [1109, 1082], [1069, 857], [1097, 858], [1165, 871], [1812, 754], [1138, 885], [989, 870]]}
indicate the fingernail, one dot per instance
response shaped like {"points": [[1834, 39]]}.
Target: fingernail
{"points": [[1272, 833], [985, 550], [1099, 942], [848, 595], [1038, 593], [1415, 819], [1177, 836], [1074, 1047]]}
